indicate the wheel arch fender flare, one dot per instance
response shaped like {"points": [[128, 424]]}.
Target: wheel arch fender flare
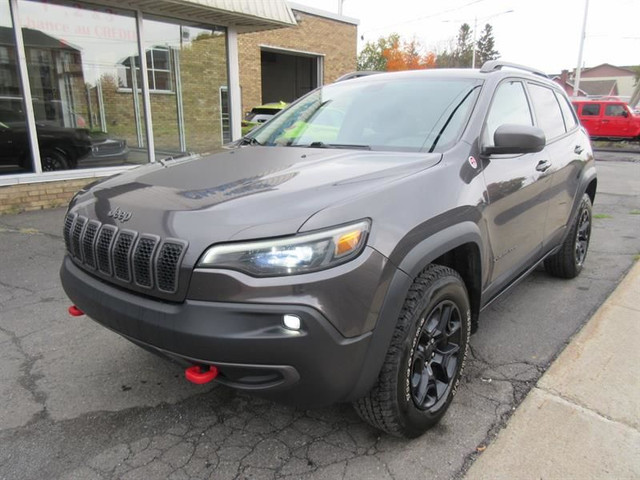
{"points": [[588, 184], [416, 259]]}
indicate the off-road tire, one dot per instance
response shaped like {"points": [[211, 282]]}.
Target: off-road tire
{"points": [[569, 260], [393, 404]]}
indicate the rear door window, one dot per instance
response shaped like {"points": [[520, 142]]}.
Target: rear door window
{"points": [[591, 109], [547, 110], [614, 111]]}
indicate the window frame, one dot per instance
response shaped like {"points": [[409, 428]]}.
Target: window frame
{"points": [[151, 71]]}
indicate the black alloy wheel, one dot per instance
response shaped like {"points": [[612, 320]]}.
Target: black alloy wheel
{"points": [[52, 160], [424, 363], [583, 234], [435, 356], [569, 260]]}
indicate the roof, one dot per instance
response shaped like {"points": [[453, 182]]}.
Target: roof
{"points": [[623, 70], [245, 15], [599, 87], [34, 38], [323, 13], [567, 85]]}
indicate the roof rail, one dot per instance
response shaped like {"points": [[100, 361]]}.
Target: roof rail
{"points": [[493, 65], [357, 74]]}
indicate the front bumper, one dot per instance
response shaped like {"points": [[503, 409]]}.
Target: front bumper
{"points": [[312, 367]]}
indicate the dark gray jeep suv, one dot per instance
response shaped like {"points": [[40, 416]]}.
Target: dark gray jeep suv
{"points": [[344, 250]]}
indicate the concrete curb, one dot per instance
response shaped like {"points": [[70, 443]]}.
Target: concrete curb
{"points": [[582, 420]]}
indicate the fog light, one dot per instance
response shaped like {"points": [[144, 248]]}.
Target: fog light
{"points": [[292, 322]]}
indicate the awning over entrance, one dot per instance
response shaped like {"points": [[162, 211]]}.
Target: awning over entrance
{"points": [[244, 15]]}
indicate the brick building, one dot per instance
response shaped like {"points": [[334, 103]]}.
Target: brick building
{"points": [[126, 82], [284, 64]]}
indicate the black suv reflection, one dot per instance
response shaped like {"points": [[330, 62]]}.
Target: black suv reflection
{"points": [[60, 147]]}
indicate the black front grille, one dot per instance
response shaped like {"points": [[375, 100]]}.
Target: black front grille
{"points": [[66, 231], [142, 261], [78, 227], [103, 247], [87, 244], [124, 256], [169, 258]]}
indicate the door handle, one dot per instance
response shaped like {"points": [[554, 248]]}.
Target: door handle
{"points": [[578, 149], [543, 165]]}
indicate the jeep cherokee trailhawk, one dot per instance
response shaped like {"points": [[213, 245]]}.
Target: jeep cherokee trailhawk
{"points": [[343, 251]]}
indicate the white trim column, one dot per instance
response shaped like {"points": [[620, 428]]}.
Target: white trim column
{"points": [[146, 98], [235, 101], [26, 87]]}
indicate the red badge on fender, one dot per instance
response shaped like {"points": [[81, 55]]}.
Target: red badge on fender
{"points": [[473, 162]]}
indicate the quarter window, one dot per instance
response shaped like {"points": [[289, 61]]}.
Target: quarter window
{"points": [[509, 106], [591, 110], [570, 121], [547, 111]]}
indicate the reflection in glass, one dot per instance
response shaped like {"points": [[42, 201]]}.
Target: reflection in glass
{"points": [[15, 150], [187, 70], [85, 118]]}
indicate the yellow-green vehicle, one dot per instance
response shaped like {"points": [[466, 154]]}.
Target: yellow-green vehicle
{"points": [[261, 114]]}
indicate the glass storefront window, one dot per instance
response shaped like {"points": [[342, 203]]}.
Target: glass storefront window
{"points": [[15, 150], [187, 77], [84, 116]]}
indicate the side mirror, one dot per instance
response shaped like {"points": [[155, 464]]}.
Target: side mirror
{"points": [[625, 114], [516, 139]]}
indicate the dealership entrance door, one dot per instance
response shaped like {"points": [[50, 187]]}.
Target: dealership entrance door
{"points": [[287, 75]]}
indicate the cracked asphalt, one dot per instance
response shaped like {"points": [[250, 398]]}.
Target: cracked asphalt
{"points": [[79, 402]]}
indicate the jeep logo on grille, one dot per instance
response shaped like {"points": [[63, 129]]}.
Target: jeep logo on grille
{"points": [[120, 215]]}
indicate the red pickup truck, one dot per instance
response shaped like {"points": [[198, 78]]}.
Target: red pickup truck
{"points": [[608, 119]]}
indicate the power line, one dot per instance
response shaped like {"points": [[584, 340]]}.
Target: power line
{"points": [[437, 14]]}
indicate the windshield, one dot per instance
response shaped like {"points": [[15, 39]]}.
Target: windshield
{"points": [[407, 114]]}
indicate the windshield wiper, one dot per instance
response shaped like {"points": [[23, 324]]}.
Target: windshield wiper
{"points": [[249, 141], [335, 145]]}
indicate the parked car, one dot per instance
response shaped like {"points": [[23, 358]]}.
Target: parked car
{"points": [[350, 264], [261, 114], [608, 119], [60, 147]]}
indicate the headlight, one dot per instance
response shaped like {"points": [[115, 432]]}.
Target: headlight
{"points": [[290, 256]]}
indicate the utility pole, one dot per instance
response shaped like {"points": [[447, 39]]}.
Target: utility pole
{"points": [[340, 2], [475, 29], [576, 83]]}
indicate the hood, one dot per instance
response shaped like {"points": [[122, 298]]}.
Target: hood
{"points": [[261, 191]]}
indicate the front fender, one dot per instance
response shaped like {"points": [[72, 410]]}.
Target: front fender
{"points": [[414, 261]]}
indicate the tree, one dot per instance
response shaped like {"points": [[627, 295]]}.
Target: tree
{"points": [[461, 54], [371, 57], [464, 46], [485, 46], [408, 57]]}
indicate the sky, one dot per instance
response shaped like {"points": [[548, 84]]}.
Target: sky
{"points": [[544, 34]]}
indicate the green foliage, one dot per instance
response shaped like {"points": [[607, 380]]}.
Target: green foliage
{"points": [[485, 47], [461, 54], [371, 57]]}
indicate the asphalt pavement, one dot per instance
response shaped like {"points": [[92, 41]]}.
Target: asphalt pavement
{"points": [[78, 401]]}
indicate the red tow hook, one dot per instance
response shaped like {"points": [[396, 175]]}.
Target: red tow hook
{"points": [[75, 311], [201, 374]]}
